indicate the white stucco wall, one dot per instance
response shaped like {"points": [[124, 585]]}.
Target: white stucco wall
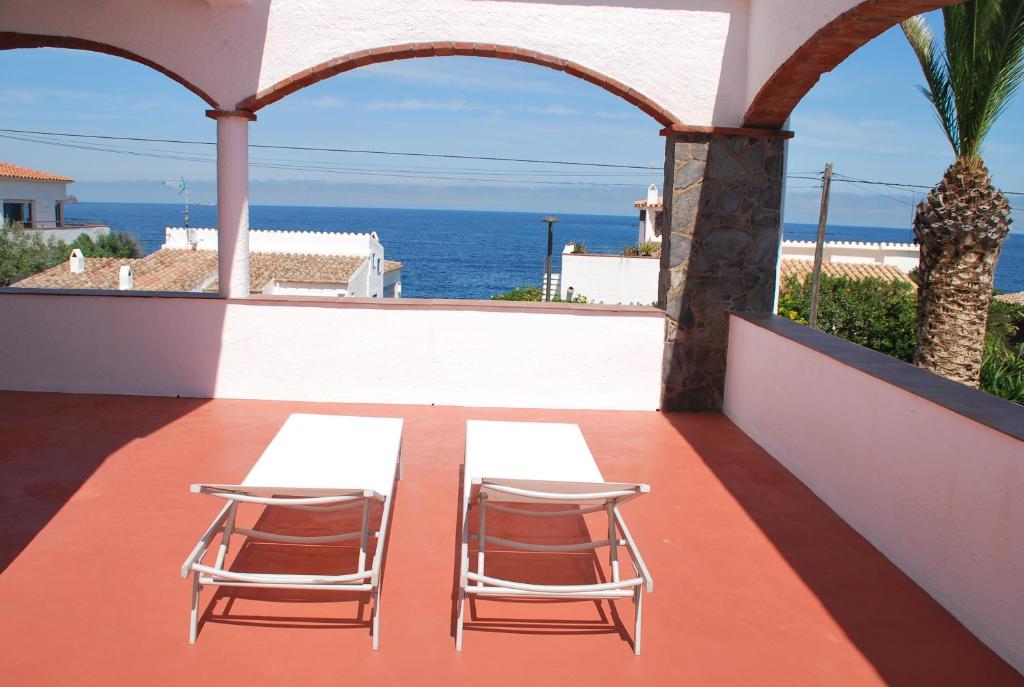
{"points": [[280, 241], [43, 194], [610, 278], [689, 56], [392, 352], [937, 492]]}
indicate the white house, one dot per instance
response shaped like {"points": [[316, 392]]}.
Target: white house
{"points": [[36, 200], [650, 216]]}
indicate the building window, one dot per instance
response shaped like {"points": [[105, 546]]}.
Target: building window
{"points": [[18, 211], [58, 213]]}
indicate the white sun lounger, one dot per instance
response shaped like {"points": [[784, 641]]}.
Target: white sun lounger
{"points": [[509, 464], [314, 463]]}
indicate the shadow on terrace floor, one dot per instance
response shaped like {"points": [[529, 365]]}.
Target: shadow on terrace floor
{"points": [[905, 634], [50, 448]]}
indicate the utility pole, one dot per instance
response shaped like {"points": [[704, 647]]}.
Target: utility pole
{"points": [[550, 219], [819, 248]]}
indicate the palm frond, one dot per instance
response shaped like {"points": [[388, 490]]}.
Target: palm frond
{"points": [[938, 92], [984, 56]]}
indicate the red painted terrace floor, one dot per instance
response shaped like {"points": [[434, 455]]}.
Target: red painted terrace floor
{"points": [[756, 580]]}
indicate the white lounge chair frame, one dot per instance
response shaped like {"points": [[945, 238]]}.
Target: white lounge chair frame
{"points": [[316, 500], [591, 498]]}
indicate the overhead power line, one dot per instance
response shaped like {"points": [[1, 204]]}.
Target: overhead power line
{"points": [[447, 156], [430, 174]]}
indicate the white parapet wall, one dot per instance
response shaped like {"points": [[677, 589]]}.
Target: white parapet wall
{"points": [[276, 241], [928, 471], [903, 256], [610, 278], [401, 352]]}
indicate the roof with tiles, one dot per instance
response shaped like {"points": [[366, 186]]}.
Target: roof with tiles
{"points": [[9, 171], [170, 269], [793, 267], [1015, 298], [657, 205]]}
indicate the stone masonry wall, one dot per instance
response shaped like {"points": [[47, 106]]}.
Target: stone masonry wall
{"points": [[720, 241]]}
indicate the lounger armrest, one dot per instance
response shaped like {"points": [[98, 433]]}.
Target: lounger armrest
{"points": [[204, 542]]}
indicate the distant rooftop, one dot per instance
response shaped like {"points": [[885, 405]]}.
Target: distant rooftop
{"points": [[656, 205], [172, 269], [10, 171], [794, 267]]}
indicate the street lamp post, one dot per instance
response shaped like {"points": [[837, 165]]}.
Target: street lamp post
{"points": [[550, 219]]}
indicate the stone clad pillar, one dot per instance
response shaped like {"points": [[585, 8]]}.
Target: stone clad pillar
{"points": [[720, 240], [233, 201]]}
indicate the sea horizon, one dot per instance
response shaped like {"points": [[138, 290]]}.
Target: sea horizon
{"points": [[468, 253]]}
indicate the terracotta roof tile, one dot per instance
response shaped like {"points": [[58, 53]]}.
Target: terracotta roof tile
{"points": [[170, 269], [802, 268], [9, 171], [657, 205], [1017, 298]]}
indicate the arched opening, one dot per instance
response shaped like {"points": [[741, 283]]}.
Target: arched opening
{"points": [[10, 40], [352, 61], [826, 49]]}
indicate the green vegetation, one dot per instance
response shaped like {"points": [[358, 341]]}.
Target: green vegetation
{"points": [[875, 314], [533, 293], [883, 316], [645, 249], [23, 252], [116, 244], [579, 248]]}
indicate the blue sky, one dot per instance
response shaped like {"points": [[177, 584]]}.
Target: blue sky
{"points": [[866, 117]]}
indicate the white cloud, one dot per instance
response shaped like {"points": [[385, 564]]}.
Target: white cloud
{"points": [[328, 102], [557, 110], [605, 114], [415, 104]]}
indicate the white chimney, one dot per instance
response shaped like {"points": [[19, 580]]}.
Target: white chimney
{"points": [[124, 278], [77, 261]]}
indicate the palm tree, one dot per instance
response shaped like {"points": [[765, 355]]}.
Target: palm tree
{"points": [[963, 222]]}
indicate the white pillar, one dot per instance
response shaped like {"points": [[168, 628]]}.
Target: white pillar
{"points": [[233, 201]]}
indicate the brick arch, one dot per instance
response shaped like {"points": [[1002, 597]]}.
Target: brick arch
{"points": [[443, 49], [823, 52], [10, 40]]}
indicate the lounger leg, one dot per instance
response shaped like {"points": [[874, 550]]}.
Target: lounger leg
{"points": [[481, 539], [194, 616], [458, 624], [638, 601], [376, 618]]}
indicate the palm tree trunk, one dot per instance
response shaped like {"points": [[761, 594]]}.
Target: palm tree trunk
{"points": [[961, 227]]}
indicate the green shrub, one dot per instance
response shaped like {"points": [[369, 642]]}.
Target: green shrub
{"points": [[579, 248], [870, 312], [1002, 370], [645, 249], [24, 253], [533, 293], [115, 244]]}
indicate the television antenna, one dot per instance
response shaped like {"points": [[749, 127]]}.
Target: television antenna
{"points": [[182, 189]]}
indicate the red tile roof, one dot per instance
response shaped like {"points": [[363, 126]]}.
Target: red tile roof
{"points": [[657, 205], [9, 171], [172, 269], [802, 268]]}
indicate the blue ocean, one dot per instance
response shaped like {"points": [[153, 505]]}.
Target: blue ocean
{"points": [[467, 254]]}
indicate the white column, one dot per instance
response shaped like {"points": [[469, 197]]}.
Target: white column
{"points": [[233, 201]]}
